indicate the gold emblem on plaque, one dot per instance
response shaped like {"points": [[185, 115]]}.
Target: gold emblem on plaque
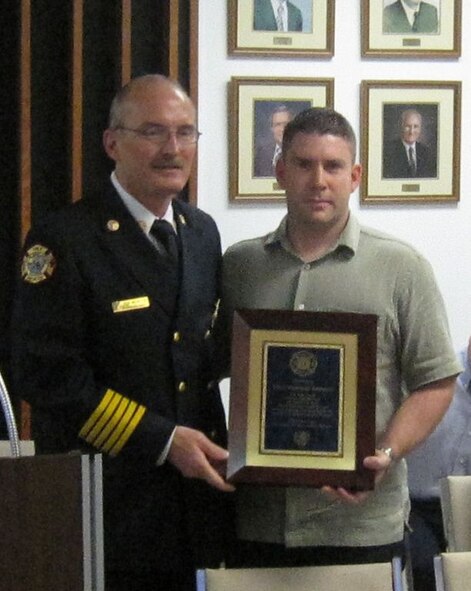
{"points": [[303, 363], [301, 438]]}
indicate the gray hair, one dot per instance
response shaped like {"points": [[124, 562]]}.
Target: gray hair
{"points": [[122, 96]]}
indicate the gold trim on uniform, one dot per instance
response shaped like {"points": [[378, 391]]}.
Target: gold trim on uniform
{"points": [[127, 411], [131, 304], [112, 225], [216, 308], [177, 336], [215, 313], [133, 423], [112, 423], [38, 264], [182, 219]]}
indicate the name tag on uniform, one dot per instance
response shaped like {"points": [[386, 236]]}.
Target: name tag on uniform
{"points": [[131, 304]]}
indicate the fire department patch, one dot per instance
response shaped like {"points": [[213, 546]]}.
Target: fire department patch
{"points": [[38, 264]]}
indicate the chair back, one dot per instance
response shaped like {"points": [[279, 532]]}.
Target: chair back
{"points": [[453, 571], [455, 495], [353, 577]]}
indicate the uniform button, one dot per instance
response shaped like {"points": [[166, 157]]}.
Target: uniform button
{"points": [[112, 225], [182, 387], [213, 434], [176, 337], [207, 334], [306, 266]]}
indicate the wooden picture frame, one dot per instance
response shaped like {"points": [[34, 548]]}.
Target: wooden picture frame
{"points": [[386, 30], [252, 28], [425, 114], [253, 104]]}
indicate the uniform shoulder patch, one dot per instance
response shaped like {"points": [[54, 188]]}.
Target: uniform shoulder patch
{"points": [[38, 264]]}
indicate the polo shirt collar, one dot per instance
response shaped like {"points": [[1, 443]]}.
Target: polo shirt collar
{"points": [[349, 238]]}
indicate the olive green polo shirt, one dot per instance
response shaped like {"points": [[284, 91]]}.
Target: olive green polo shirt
{"points": [[366, 272]]}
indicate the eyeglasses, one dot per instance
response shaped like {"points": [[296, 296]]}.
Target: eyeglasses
{"points": [[159, 134]]}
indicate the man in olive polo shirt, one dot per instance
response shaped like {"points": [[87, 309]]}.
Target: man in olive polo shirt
{"points": [[321, 259]]}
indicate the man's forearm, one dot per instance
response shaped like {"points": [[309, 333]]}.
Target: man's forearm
{"points": [[418, 416]]}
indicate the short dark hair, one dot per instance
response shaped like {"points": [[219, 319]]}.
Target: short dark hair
{"points": [[319, 121]]}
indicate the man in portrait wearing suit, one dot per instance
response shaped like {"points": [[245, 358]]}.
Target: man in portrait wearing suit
{"points": [[410, 16], [276, 15], [406, 156], [268, 152]]}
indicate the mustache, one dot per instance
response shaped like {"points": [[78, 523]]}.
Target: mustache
{"points": [[168, 163]]}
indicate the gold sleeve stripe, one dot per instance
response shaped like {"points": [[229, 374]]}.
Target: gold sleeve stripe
{"points": [[108, 444], [107, 411], [133, 423], [109, 394], [112, 422]]}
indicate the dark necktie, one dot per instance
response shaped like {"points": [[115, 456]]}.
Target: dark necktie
{"points": [[412, 165], [414, 22], [165, 234]]}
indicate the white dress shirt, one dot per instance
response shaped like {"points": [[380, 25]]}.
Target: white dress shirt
{"points": [[284, 12]]}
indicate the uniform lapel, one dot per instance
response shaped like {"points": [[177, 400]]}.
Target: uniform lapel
{"points": [[190, 234], [131, 250]]}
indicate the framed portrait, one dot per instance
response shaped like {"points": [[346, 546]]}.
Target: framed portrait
{"points": [[429, 29], [299, 28], [410, 144], [259, 109]]}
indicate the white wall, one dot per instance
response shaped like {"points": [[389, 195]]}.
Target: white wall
{"points": [[440, 231]]}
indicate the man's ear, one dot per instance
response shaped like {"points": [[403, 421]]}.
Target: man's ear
{"points": [[109, 143], [280, 171], [356, 175]]}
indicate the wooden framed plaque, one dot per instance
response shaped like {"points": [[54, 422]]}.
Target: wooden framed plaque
{"points": [[302, 401]]}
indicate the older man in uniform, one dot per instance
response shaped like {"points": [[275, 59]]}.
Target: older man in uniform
{"points": [[113, 344]]}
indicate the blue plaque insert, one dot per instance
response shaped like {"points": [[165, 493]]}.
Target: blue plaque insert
{"points": [[303, 395]]}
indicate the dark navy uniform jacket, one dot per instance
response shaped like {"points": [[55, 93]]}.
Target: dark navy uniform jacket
{"points": [[111, 362]]}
